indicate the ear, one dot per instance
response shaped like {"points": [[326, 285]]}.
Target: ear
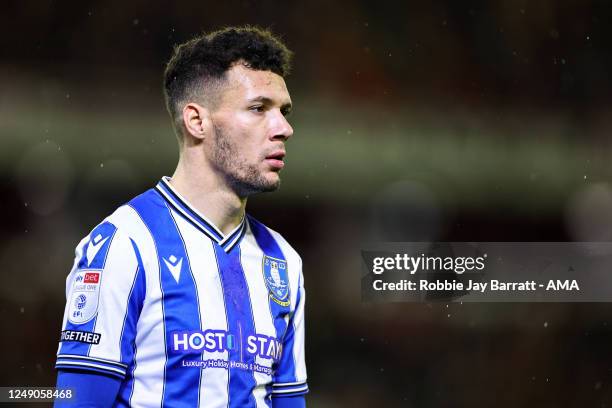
{"points": [[196, 120]]}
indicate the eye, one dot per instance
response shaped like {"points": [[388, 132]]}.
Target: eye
{"points": [[286, 111], [257, 108]]}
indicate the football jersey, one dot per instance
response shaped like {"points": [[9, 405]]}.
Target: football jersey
{"points": [[185, 315]]}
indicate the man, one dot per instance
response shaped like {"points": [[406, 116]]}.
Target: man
{"points": [[179, 298]]}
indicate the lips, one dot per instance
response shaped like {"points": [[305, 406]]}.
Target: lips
{"points": [[277, 155], [275, 159]]}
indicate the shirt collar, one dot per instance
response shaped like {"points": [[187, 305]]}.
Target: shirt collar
{"points": [[198, 220]]}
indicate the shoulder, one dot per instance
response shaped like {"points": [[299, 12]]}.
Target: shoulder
{"points": [[288, 251], [123, 227], [130, 217]]}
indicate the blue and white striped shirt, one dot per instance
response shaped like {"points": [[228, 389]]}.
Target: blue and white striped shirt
{"points": [[185, 315]]}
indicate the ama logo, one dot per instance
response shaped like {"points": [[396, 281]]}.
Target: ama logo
{"points": [[277, 279]]}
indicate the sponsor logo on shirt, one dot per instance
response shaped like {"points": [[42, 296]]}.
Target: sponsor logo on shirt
{"points": [[92, 277], [220, 340], [94, 247]]}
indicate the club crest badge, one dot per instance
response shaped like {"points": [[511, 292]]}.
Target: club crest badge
{"points": [[277, 279]]}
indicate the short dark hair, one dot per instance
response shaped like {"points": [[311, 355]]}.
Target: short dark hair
{"points": [[204, 61]]}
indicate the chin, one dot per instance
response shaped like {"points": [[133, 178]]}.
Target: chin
{"points": [[262, 184], [271, 185], [270, 182]]}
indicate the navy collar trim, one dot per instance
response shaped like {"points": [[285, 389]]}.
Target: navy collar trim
{"points": [[199, 221]]}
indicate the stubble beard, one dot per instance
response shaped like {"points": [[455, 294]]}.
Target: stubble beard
{"points": [[245, 179]]}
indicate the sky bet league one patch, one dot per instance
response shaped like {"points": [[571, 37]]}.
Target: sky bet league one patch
{"points": [[277, 281], [84, 296]]}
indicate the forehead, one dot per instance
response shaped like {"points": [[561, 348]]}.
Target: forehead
{"points": [[246, 84]]}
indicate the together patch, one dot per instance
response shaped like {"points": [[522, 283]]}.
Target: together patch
{"points": [[80, 336]]}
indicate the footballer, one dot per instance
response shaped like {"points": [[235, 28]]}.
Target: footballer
{"points": [[180, 298]]}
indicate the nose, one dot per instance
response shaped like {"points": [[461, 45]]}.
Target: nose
{"points": [[280, 127]]}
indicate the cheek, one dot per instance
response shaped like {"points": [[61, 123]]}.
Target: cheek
{"points": [[247, 143], [243, 134], [243, 149]]}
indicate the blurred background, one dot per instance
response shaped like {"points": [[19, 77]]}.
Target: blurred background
{"points": [[449, 121]]}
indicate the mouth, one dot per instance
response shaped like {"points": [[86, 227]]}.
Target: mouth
{"points": [[275, 159]]}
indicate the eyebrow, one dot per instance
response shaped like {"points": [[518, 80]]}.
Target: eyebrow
{"points": [[268, 101]]}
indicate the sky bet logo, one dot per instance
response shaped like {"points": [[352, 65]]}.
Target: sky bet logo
{"points": [[92, 277], [221, 340]]}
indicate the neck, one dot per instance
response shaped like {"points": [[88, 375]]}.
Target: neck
{"points": [[209, 195]]}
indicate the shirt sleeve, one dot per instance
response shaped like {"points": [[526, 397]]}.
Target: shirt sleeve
{"points": [[89, 390], [105, 291], [297, 401], [290, 376]]}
